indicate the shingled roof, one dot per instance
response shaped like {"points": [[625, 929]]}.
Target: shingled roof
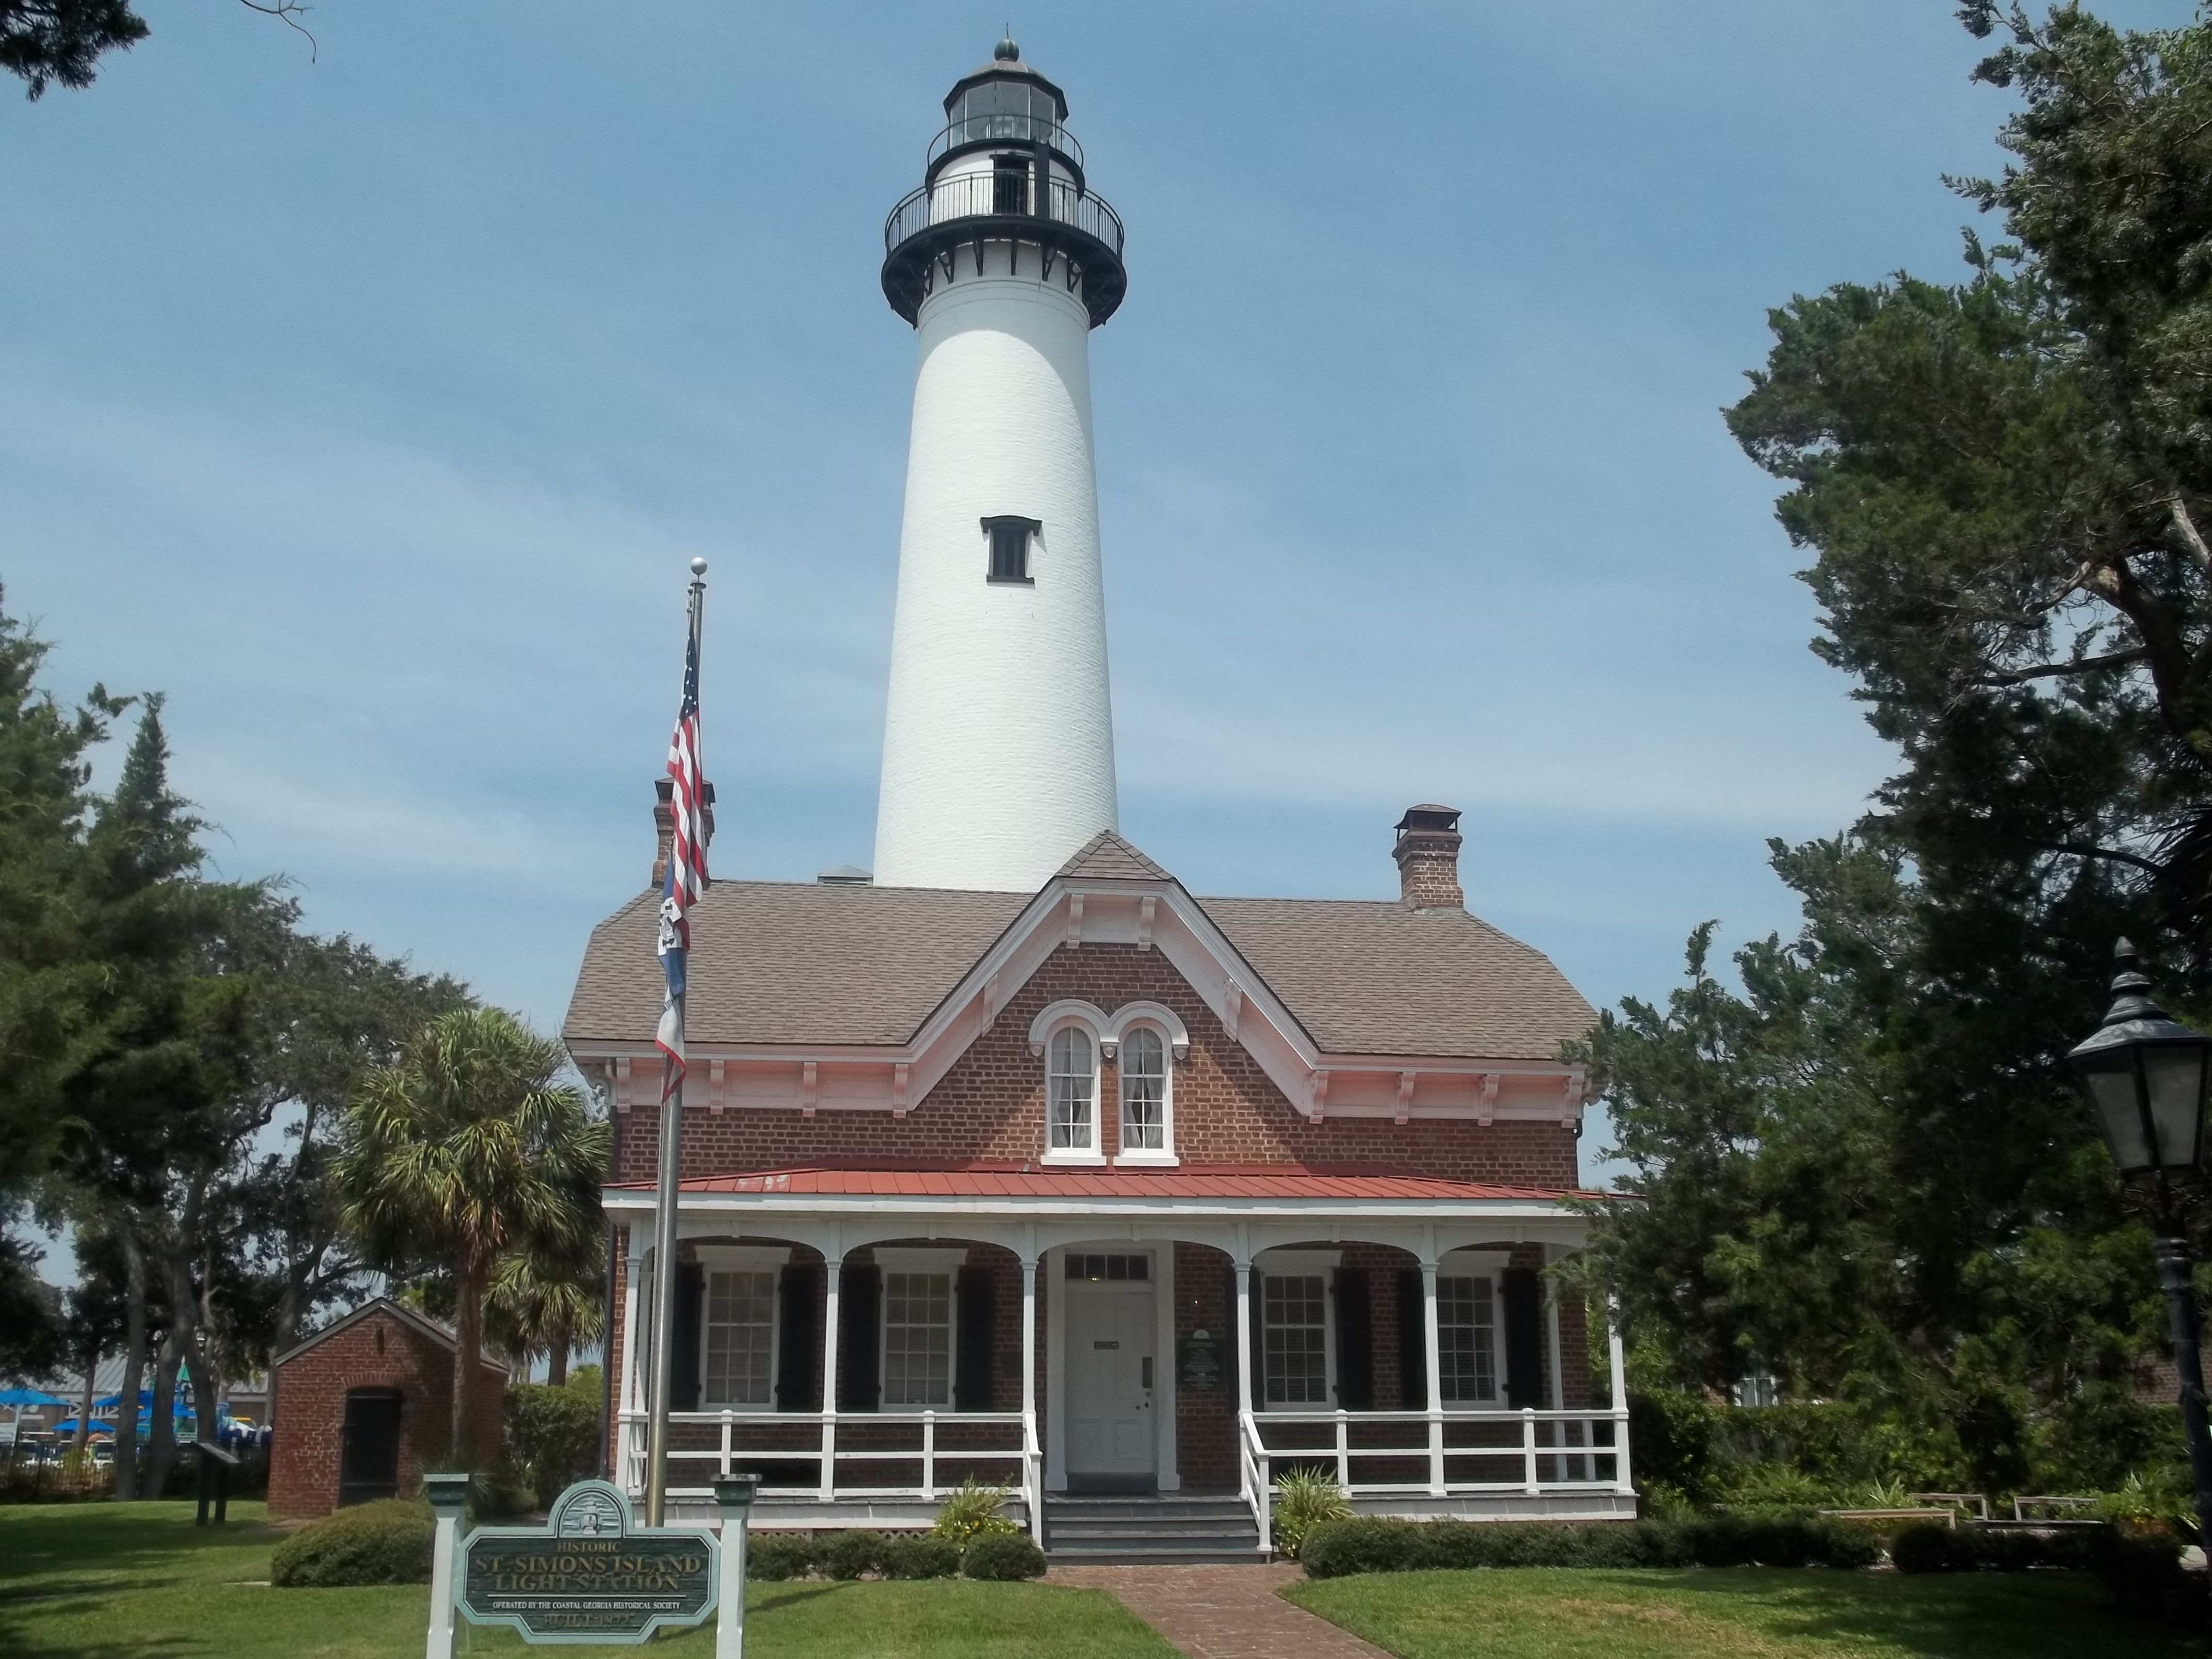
{"points": [[780, 961]]}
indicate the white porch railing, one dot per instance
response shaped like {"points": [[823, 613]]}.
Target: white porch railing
{"points": [[987, 1441], [1534, 1454]]}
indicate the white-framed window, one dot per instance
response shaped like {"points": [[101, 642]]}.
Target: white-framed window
{"points": [[1143, 1062], [1294, 1337], [920, 1308], [739, 1349], [1071, 1092], [1467, 1340], [738, 1326]]}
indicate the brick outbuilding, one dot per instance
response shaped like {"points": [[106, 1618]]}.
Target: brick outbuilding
{"points": [[366, 1408]]}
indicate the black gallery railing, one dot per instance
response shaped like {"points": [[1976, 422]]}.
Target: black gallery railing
{"points": [[999, 193], [1006, 129]]}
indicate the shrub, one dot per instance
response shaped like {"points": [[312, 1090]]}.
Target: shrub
{"points": [[971, 1509], [850, 1554], [920, 1555], [553, 1434], [780, 1555], [385, 1543], [1336, 1548], [1304, 1499], [2144, 1577], [1003, 1556], [1926, 1546]]}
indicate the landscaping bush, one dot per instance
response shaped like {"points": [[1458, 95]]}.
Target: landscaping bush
{"points": [[1927, 1546], [385, 1543], [780, 1555], [1003, 1556], [919, 1555], [971, 1509], [850, 1554], [2143, 1575], [553, 1434], [1304, 1498], [1335, 1549]]}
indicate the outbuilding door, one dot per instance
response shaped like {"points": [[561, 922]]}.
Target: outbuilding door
{"points": [[368, 1447]]}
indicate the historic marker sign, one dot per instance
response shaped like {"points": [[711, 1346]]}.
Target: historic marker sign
{"points": [[590, 1574]]}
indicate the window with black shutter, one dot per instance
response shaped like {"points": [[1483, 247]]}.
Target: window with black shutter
{"points": [[1010, 539], [860, 1352]]}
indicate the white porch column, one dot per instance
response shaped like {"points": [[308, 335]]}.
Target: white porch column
{"points": [[1435, 1351], [833, 1268], [1032, 1459], [1617, 1366], [1245, 1357], [1551, 1336]]}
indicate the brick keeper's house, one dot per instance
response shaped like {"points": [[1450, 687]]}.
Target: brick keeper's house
{"points": [[1126, 1197], [1017, 1160]]}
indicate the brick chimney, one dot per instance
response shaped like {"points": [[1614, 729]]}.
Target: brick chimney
{"points": [[664, 822], [1428, 858]]}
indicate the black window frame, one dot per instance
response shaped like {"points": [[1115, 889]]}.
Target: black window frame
{"points": [[1014, 572]]}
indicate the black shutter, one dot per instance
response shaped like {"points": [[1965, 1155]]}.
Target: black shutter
{"points": [[1259, 1341], [1412, 1343], [860, 1338], [1524, 1338], [683, 1356], [1355, 1341], [794, 1355], [971, 1367]]}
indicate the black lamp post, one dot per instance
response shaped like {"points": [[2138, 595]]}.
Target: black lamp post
{"points": [[2145, 1073]]}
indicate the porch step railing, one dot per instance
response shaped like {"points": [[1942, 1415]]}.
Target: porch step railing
{"points": [[851, 1452], [1438, 1453]]}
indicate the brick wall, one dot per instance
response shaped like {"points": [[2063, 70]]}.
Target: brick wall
{"points": [[991, 1105], [380, 1350]]}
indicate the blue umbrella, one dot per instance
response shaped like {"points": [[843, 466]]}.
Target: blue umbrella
{"points": [[97, 1427], [20, 1398]]}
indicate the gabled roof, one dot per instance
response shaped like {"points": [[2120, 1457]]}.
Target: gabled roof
{"points": [[833, 966], [1107, 857], [422, 1322]]}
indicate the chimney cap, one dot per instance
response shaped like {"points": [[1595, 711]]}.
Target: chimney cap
{"points": [[1429, 815]]}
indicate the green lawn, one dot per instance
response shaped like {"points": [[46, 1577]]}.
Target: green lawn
{"points": [[1581, 1613], [138, 1581]]}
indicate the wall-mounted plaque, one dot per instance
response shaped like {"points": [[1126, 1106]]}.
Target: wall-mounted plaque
{"points": [[590, 1573], [1199, 1365]]}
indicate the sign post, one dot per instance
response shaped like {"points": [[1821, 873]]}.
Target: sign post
{"points": [[733, 1496], [449, 1496]]}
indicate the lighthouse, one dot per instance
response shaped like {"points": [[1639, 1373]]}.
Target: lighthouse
{"points": [[998, 733]]}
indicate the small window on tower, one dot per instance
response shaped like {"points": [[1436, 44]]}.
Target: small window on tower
{"points": [[1009, 547]]}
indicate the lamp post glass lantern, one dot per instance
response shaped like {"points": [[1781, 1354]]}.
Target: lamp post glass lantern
{"points": [[2144, 1073]]}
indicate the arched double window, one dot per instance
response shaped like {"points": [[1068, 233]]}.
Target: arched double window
{"points": [[1070, 1092], [1144, 1068]]}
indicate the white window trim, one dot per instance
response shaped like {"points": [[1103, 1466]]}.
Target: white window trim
{"points": [[744, 1259], [919, 1259], [1049, 1023], [1163, 1157], [1480, 1264], [1301, 1264]]}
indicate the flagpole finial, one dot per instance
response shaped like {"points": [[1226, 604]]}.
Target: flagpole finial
{"points": [[698, 567]]}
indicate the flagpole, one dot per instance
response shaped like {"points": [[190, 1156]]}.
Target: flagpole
{"points": [[671, 1174]]}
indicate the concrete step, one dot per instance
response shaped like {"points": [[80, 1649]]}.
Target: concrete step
{"points": [[1121, 1557], [1083, 1527]]}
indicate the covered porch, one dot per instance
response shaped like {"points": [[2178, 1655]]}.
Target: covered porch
{"points": [[1098, 1336]]}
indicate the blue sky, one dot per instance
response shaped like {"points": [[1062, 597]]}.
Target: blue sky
{"points": [[372, 407]]}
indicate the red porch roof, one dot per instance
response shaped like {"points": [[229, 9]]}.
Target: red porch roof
{"points": [[1201, 1182]]}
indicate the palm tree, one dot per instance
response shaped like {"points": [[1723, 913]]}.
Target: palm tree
{"points": [[467, 1148], [549, 1301]]}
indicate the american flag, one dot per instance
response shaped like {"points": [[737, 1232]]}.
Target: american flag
{"points": [[687, 855]]}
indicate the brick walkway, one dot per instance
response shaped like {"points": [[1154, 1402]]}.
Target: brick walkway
{"points": [[1222, 1612]]}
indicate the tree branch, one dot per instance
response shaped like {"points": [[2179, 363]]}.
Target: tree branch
{"points": [[2187, 527], [290, 12], [2079, 665]]}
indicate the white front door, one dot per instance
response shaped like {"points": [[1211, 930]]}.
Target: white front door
{"points": [[1110, 1380]]}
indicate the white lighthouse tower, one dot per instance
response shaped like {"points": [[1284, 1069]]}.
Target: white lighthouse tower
{"points": [[999, 739]]}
